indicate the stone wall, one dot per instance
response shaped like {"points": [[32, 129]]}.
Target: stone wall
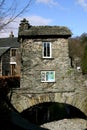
{"points": [[25, 98], [69, 87], [33, 64]]}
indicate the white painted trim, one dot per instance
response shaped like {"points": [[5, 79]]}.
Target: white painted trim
{"points": [[13, 63], [45, 76]]}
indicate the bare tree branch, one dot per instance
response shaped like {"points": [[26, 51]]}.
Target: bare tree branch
{"points": [[9, 13]]}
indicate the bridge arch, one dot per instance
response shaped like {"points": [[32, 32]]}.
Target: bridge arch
{"points": [[51, 111], [23, 102]]}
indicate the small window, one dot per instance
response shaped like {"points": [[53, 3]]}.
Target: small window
{"points": [[47, 76], [13, 68], [13, 52], [47, 50]]}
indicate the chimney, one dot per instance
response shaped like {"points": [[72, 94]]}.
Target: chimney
{"points": [[11, 35], [24, 25]]}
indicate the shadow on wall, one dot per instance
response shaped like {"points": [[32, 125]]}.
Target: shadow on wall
{"points": [[51, 111]]}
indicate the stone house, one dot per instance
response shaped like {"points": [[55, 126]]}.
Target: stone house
{"points": [[9, 57], [45, 62]]}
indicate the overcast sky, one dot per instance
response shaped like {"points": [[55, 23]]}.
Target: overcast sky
{"points": [[70, 13]]}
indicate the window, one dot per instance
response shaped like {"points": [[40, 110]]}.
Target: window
{"points": [[13, 51], [47, 76], [13, 67], [47, 50]]}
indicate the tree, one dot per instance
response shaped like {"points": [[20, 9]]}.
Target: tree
{"points": [[78, 48], [11, 9], [75, 49], [84, 61]]}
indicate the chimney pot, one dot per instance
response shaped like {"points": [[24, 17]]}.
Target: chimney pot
{"points": [[11, 35]]}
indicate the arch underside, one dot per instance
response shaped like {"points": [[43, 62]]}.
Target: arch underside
{"points": [[51, 111], [26, 101]]}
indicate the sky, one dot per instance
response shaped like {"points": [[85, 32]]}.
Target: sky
{"points": [[69, 13]]}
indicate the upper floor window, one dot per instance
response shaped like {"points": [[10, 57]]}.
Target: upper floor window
{"points": [[47, 76], [47, 52], [13, 68], [13, 52]]}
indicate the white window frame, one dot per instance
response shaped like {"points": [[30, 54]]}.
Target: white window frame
{"points": [[50, 56], [44, 78]]}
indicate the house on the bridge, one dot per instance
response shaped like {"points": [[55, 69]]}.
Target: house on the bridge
{"points": [[45, 57], [46, 72], [9, 56]]}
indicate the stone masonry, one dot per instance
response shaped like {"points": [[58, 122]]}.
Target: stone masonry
{"points": [[33, 63], [69, 86]]}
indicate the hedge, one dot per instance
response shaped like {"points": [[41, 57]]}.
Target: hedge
{"points": [[8, 82]]}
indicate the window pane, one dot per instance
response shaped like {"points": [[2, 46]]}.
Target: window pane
{"points": [[50, 76], [47, 76], [13, 52], [48, 49], [44, 49], [42, 76], [13, 67]]}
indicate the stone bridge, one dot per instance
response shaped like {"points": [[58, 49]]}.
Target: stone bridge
{"points": [[23, 99], [46, 71]]}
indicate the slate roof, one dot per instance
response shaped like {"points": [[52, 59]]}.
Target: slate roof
{"points": [[9, 42], [46, 31], [3, 50]]}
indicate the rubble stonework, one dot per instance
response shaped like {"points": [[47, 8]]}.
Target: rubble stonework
{"points": [[33, 62], [67, 124], [69, 84]]}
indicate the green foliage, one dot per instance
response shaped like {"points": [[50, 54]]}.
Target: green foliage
{"points": [[84, 61], [78, 48], [75, 48]]}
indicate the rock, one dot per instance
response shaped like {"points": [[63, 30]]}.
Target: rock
{"points": [[67, 124]]}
